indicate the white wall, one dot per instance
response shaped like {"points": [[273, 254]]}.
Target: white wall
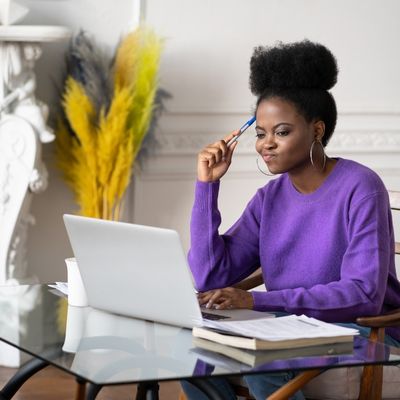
{"points": [[205, 67]]}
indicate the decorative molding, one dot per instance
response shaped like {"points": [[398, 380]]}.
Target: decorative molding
{"points": [[372, 138], [18, 158], [17, 263], [38, 180], [364, 141], [349, 110], [5, 189], [182, 133], [179, 143]]}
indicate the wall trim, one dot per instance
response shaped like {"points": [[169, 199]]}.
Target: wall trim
{"points": [[370, 137], [343, 141], [395, 111]]}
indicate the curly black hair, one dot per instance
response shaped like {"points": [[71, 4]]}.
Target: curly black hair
{"points": [[301, 73]]}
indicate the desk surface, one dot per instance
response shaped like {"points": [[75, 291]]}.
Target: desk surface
{"points": [[107, 349]]}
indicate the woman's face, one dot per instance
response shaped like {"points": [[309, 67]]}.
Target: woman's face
{"points": [[284, 137]]}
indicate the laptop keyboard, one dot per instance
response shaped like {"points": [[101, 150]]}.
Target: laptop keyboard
{"points": [[213, 317]]}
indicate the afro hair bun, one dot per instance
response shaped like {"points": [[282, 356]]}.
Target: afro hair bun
{"points": [[304, 64]]}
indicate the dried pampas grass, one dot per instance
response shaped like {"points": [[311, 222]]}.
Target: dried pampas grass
{"points": [[107, 114]]}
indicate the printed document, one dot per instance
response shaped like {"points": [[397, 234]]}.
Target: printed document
{"points": [[282, 328]]}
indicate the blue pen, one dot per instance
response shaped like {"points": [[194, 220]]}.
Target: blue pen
{"points": [[241, 130]]}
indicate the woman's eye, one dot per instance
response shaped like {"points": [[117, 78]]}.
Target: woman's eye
{"points": [[282, 133], [260, 135]]}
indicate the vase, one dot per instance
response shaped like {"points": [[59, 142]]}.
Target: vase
{"points": [[76, 319], [76, 289]]}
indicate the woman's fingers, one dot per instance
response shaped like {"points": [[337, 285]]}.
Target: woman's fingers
{"points": [[210, 298], [229, 153], [203, 297], [231, 148], [212, 155], [225, 305], [219, 149], [214, 298], [216, 153], [215, 159], [227, 138], [226, 298]]}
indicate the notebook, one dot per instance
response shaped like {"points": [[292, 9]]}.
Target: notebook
{"points": [[139, 271]]}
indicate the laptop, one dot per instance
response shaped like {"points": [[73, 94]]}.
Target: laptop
{"points": [[139, 271]]}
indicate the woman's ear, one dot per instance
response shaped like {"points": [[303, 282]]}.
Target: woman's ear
{"points": [[319, 130]]}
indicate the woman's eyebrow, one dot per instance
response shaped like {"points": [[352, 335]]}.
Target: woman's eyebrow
{"points": [[274, 127]]}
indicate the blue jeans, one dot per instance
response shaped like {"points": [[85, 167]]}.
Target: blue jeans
{"points": [[263, 385]]}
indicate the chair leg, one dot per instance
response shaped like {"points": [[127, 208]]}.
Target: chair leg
{"points": [[371, 383], [182, 395], [372, 376], [295, 384]]}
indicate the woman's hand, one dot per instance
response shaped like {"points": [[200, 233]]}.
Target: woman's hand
{"points": [[226, 298], [214, 160]]}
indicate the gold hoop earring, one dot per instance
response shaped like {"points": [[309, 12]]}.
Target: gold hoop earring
{"points": [[263, 172], [323, 152]]}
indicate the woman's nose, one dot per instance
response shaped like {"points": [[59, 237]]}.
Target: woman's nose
{"points": [[269, 142]]}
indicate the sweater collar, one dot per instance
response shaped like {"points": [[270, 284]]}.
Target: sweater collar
{"points": [[322, 189]]}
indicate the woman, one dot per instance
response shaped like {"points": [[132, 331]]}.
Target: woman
{"points": [[322, 231]]}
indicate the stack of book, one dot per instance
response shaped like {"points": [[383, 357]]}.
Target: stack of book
{"points": [[259, 341]]}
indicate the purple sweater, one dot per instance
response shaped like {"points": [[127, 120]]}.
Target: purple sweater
{"points": [[328, 254]]}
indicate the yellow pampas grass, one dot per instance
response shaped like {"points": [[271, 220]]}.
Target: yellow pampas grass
{"points": [[97, 144], [139, 53]]}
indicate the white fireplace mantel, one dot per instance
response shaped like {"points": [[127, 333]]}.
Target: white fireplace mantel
{"points": [[23, 129]]}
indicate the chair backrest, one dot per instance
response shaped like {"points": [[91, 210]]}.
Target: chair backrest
{"points": [[394, 199]]}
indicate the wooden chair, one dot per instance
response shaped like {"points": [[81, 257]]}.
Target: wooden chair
{"points": [[372, 377]]}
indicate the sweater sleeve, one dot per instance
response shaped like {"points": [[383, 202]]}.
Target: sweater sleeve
{"points": [[364, 271], [222, 260]]}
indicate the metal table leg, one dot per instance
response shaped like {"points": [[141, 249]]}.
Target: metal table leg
{"points": [[93, 391], [147, 391], [21, 376]]}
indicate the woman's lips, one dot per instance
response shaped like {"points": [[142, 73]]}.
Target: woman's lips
{"points": [[268, 157]]}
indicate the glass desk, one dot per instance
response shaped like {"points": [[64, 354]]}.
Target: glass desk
{"points": [[101, 349]]}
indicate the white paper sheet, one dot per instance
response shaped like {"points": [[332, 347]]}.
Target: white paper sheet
{"points": [[283, 328], [61, 286]]}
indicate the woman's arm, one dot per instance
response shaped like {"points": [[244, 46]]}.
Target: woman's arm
{"points": [[218, 260]]}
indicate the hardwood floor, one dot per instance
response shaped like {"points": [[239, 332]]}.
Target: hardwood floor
{"points": [[51, 383]]}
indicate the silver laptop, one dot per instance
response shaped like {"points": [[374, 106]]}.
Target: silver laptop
{"points": [[139, 271]]}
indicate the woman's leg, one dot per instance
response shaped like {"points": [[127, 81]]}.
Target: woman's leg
{"points": [[221, 384], [262, 386]]}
